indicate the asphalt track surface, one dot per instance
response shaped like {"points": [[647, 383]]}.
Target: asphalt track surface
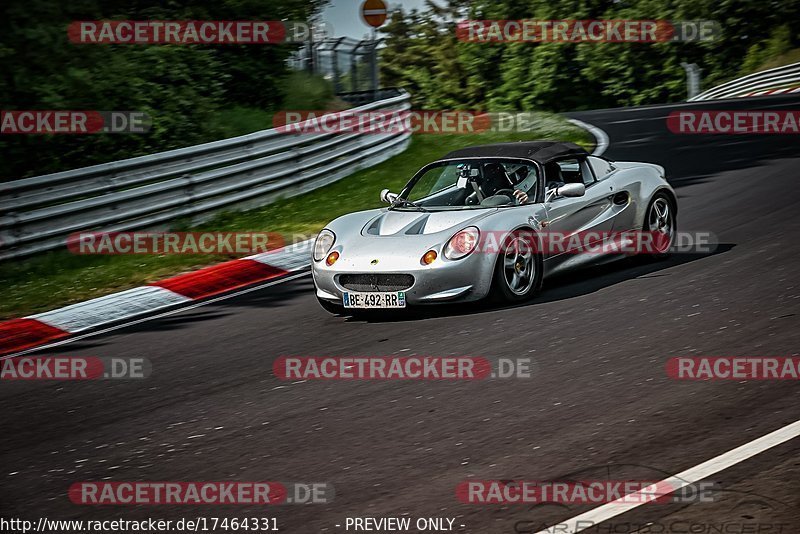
{"points": [[598, 405]]}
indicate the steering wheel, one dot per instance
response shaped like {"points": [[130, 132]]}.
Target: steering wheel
{"points": [[494, 199], [506, 192]]}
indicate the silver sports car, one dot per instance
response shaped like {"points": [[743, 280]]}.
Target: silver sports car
{"points": [[492, 221]]}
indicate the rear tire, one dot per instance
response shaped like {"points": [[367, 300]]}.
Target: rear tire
{"points": [[518, 270]]}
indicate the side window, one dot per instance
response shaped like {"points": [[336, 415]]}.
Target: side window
{"points": [[434, 180], [586, 174], [574, 171], [601, 167]]}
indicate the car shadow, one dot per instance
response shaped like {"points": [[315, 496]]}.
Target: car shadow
{"points": [[565, 286], [569, 285]]}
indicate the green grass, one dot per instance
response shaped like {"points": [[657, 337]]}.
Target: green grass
{"points": [[240, 121], [787, 58], [58, 278]]}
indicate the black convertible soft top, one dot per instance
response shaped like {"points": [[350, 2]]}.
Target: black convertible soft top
{"points": [[539, 151]]}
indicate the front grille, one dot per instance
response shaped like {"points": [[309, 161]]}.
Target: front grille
{"points": [[376, 282]]}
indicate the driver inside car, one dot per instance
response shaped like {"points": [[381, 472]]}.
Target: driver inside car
{"points": [[493, 180]]}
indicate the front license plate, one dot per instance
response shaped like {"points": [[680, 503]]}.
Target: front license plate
{"points": [[390, 299]]}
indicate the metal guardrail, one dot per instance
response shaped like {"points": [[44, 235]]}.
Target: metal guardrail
{"points": [[773, 81], [359, 98], [39, 213]]}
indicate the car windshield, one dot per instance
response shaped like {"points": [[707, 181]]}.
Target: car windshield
{"points": [[469, 184]]}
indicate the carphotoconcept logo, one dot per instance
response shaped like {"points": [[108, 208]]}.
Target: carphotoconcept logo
{"points": [[685, 492], [676, 526]]}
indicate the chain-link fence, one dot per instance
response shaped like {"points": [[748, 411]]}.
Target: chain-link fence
{"points": [[351, 65]]}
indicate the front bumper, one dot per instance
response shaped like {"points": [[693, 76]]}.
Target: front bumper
{"points": [[463, 280]]}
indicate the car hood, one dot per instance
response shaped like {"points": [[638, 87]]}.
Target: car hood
{"points": [[398, 223]]}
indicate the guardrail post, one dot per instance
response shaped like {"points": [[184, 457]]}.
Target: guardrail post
{"points": [[374, 65], [692, 78]]}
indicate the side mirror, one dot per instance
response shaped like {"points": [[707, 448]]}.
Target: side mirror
{"points": [[571, 190], [566, 190], [388, 197]]}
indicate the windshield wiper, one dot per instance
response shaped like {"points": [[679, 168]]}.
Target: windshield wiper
{"points": [[405, 202]]}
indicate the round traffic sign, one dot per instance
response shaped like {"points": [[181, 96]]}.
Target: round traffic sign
{"points": [[373, 12]]}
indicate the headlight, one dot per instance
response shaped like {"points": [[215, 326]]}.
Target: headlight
{"points": [[462, 243], [323, 244]]}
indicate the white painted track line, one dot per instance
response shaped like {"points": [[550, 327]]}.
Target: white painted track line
{"points": [[676, 482]]}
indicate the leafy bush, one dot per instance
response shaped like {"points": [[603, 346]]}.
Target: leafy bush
{"points": [[185, 89], [301, 90], [422, 55]]}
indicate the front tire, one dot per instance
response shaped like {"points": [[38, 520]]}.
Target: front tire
{"points": [[518, 270], [660, 219]]}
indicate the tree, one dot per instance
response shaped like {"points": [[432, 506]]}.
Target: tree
{"points": [[423, 55]]}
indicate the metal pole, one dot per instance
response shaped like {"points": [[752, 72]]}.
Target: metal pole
{"points": [[692, 78], [337, 88], [311, 52], [374, 67], [353, 68]]}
